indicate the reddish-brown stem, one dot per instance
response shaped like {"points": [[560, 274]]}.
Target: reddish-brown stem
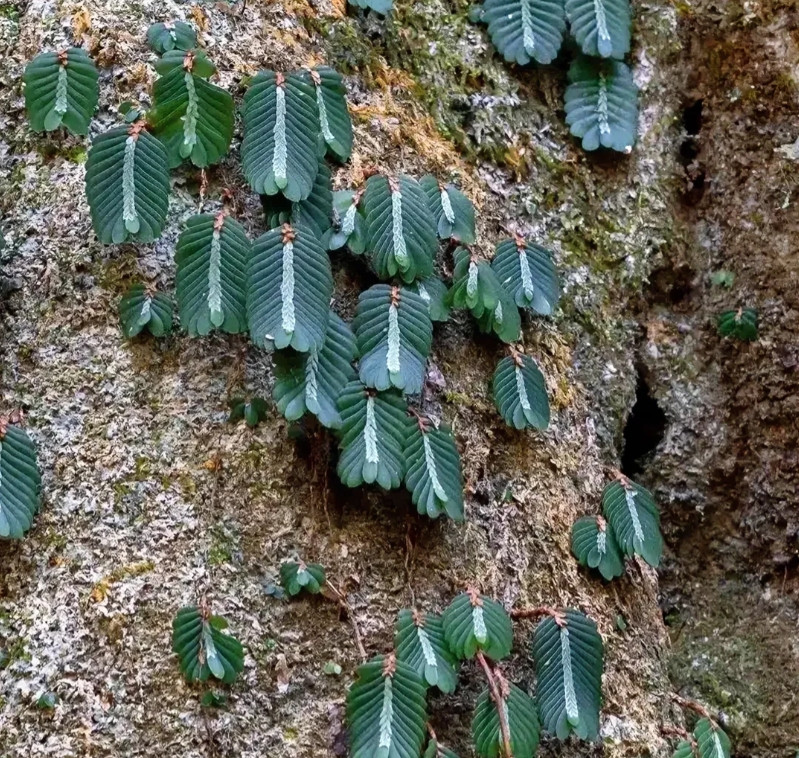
{"points": [[693, 705], [535, 612], [669, 730], [345, 606], [496, 696]]}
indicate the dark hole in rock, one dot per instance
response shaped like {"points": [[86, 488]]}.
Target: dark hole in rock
{"points": [[645, 428], [671, 285], [692, 117]]}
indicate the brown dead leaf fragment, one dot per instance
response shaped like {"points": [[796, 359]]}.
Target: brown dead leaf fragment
{"points": [[81, 22]]}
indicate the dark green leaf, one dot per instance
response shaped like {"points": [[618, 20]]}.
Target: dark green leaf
{"points": [[526, 271], [433, 475], [525, 30], [634, 519], [711, 741], [684, 749], [19, 481], [419, 642], [213, 699], [315, 212], [434, 293], [436, 750], [178, 35], [568, 661], [298, 576], [281, 125], [127, 185], [474, 622], [386, 713], [378, 6], [334, 118], [372, 435], [741, 324], [47, 701], [474, 285], [203, 650], [142, 308], [192, 117], [212, 256], [394, 333], [522, 719], [452, 211], [601, 27], [61, 90], [594, 545], [520, 393], [290, 286], [400, 230], [505, 320], [314, 381], [602, 104], [349, 225]]}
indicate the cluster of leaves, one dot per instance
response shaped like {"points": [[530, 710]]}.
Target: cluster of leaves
{"points": [[630, 526], [203, 648], [386, 706], [20, 480], [297, 576], [740, 324], [707, 741], [601, 99]]}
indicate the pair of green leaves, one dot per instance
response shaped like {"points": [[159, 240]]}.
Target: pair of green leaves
{"points": [[520, 392], [20, 481], [709, 742], [203, 648], [296, 577], [631, 526], [192, 117], [289, 122], [143, 308], [525, 30], [253, 411], [61, 90], [381, 444], [165, 36]]}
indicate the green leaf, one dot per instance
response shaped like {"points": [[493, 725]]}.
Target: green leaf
{"points": [[177, 35], [386, 710], [349, 225], [127, 185], [474, 285], [314, 381], [253, 412], [298, 576], [400, 230], [505, 320], [568, 663], [520, 393], [722, 278], [290, 286], [143, 308], [525, 30], [281, 125], [213, 699], [433, 474], [474, 622], [331, 668], [192, 117], [19, 481], [434, 293], [212, 256], [740, 324], [315, 212], [331, 104], [394, 333], [452, 211], [522, 719], [684, 749], [190, 61], [372, 436], [601, 27], [634, 518], [602, 104], [594, 545], [61, 90], [436, 750], [47, 701], [382, 7], [526, 271], [203, 650], [419, 642], [711, 741]]}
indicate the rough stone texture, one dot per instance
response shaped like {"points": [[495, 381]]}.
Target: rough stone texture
{"points": [[151, 499]]}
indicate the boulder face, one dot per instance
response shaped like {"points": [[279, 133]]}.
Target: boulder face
{"points": [[151, 500]]}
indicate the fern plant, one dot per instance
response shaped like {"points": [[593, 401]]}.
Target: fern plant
{"points": [[386, 706], [296, 577], [740, 324]]}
